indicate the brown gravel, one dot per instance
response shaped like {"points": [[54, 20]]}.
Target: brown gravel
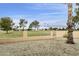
{"points": [[51, 47]]}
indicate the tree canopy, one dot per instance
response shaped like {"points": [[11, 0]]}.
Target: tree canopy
{"points": [[76, 18], [34, 24], [22, 23], [6, 23]]}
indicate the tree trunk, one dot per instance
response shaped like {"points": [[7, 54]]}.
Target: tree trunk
{"points": [[70, 35], [70, 25], [23, 29]]}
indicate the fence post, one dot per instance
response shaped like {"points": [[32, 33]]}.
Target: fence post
{"points": [[25, 35], [53, 34]]}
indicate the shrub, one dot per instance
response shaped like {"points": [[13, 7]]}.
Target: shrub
{"points": [[29, 29]]}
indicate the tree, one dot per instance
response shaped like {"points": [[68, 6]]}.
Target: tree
{"points": [[6, 23], [76, 19], [34, 24], [22, 23], [30, 26], [16, 28], [70, 25], [13, 26], [72, 22], [50, 28]]}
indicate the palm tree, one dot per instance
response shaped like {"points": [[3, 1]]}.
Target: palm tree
{"points": [[22, 23], [70, 25]]}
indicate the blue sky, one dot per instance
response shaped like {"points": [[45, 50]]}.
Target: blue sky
{"points": [[45, 13]]}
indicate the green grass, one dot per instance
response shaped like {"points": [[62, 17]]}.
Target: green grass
{"points": [[38, 33], [11, 34]]}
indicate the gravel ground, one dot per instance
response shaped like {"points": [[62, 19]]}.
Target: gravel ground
{"points": [[40, 48]]}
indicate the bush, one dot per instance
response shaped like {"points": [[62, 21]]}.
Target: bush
{"points": [[46, 29], [50, 28], [29, 29]]}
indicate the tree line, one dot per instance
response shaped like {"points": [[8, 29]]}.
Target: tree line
{"points": [[7, 24]]}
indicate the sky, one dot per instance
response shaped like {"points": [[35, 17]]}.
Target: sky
{"points": [[46, 13]]}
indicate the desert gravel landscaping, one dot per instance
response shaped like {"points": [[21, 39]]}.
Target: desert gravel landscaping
{"points": [[50, 47]]}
